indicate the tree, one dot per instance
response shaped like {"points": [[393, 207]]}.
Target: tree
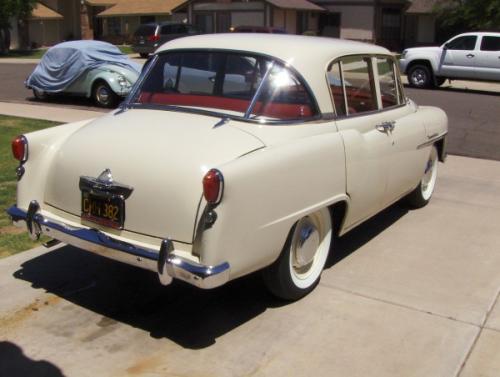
{"points": [[9, 9], [459, 16]]}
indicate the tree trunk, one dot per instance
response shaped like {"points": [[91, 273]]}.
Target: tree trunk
{"points": [[4, 40], [23, 32]]}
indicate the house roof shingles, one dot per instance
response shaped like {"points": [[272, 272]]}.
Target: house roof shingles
{"points": [[142, 7], [42, 12], [295, 4]]}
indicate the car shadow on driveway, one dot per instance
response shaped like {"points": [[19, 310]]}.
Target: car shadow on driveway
{"points": [[188, 316]]}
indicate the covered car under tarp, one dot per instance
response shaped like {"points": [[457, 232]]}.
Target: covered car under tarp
{"points": [[66, 62]]}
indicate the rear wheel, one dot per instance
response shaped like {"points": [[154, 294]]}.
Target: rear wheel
{"points": [[420, 76], [40, 94], [423, 193], [103, 95], [298, 268]]}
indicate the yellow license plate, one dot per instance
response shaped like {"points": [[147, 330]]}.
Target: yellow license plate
{"points": [[108, 211]]}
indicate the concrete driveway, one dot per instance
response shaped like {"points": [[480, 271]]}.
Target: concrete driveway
{"points": [[409, 293]]}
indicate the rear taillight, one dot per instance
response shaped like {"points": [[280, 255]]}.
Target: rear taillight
{"points": [[154, 38], [213, 186], [20, 148]]}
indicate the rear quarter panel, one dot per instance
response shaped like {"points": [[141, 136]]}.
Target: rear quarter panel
{"points": [[266, 192]]}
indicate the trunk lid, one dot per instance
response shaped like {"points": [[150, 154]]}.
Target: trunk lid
{"points": [[163, 155]]}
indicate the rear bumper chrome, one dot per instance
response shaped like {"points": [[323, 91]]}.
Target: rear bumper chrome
{"points": [[163, 261]]}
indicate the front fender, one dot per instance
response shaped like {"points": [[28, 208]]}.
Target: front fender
{"points": [[111, 78]]}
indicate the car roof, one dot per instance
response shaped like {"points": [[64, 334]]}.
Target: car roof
{"points": [[288, 48], [479, 33], [310, 56]]}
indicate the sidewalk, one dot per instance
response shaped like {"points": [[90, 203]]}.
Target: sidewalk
{"points": [[53, 113]]}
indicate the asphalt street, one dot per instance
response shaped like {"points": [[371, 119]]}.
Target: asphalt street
{"points": [[473, 115]]}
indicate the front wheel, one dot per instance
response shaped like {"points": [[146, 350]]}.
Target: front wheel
{"points": [[298, 268], [423, 193], [420, 76], [103, 95]]}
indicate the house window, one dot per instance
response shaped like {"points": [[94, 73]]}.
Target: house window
{"points": [[114, 25]]}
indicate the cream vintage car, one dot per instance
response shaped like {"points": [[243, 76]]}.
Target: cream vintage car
{"points": [[235, 153]]}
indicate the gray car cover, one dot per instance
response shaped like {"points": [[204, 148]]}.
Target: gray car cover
{"points": [[65, 62]]}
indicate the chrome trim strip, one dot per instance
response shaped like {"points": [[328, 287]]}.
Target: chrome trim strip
{"points": [[95, 241], [432, 140]]}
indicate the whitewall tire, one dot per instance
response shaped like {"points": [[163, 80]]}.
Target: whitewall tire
{"points": [[423, 193], [299, 266]]}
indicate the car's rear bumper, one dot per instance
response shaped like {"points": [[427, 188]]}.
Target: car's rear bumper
{"points": [[164, 261]]}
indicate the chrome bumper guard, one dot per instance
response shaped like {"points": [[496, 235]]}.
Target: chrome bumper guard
{"points": [[163, 261]]}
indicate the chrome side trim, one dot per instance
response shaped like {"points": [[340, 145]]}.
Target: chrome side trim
{"points": [[432, 140], [165, 262]]}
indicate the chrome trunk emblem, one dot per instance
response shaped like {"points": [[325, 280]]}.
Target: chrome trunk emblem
{"points": [[105, 183]]}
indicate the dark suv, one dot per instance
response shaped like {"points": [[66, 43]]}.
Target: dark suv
{"points": [[148, 37]]}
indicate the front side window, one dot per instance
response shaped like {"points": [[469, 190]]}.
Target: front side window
{"points": [[490, 44], [465, 43], [226, 82]]}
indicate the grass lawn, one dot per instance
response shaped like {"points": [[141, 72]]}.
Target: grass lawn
{"points": [[126, 49], [12, 239], [25, 54]]}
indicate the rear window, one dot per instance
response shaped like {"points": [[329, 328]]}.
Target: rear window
{"points": [[226, 82], [145, 30], [490, 44]]}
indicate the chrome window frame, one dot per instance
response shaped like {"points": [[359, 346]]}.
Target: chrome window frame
{"points": [[220, 114]]}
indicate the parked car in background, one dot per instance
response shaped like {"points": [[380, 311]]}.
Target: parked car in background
{"points": [[258, 29], [91, 69], [469, 56], [148, 37], [232, 155]]}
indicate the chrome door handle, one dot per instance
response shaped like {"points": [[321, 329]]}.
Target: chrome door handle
{"points": [[470, 55], [386, 126]]}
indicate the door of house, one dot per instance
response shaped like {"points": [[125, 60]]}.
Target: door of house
{"points": [[223, 20], [329, 24], [391, 29]]}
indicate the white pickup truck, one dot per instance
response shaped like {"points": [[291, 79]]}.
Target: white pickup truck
{"points": [[469, 56]]}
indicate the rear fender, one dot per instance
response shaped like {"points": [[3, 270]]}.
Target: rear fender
{"points": [[265, 193], [42, 147]]}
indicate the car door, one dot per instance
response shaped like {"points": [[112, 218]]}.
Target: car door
{"points": [[361, 125], [407, 162], [488, 58], [459, 57]]}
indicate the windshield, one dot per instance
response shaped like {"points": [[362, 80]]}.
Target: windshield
{"points": [[241, 85]]}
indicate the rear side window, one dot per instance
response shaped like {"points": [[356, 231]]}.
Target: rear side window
{"points": [[230, 83], [490, 44], [359, 85], [337, 89], [145, 30], [466, 43]]}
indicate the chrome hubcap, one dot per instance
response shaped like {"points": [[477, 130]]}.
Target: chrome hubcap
{"points": [[102, 94], [305, 245], [419, 77]]}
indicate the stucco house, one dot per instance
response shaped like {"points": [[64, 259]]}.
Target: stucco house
{"points": [[392, 23]]}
